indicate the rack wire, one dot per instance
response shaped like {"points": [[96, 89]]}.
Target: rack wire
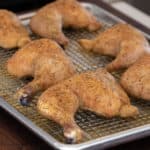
{"points": [[95, 126]]}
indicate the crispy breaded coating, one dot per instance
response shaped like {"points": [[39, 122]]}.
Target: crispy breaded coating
{"points": [[12, 32], [121, 41], [45, 61], [136, 80], [49, 20], [96, 91]]}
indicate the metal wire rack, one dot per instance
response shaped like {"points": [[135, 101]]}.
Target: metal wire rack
{"points": [[95, 126]]}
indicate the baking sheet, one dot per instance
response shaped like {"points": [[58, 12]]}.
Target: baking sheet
{"points": [[102, 131]]}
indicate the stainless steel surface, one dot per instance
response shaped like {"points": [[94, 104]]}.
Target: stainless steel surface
{"points": [[103, 132], [112, 1]]}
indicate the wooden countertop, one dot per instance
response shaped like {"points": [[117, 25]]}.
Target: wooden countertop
{"points": [[14, 136]]}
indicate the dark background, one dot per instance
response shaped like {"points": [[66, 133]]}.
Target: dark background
{"points": [[144, 5], [14, 136], [21, 5]]}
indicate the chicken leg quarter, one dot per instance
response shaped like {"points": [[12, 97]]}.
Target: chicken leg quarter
{"points": [[12, 32], [122, 41], [96, 91], [45, 61], [49, 20], [136, 80]]}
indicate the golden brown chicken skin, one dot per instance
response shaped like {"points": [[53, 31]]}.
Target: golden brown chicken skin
{"points": [[122, 41], [96, 91], [136, 80], [45, 61], [49, 20], [12, 32]]}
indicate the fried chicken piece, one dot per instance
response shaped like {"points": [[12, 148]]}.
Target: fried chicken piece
{"points": [[12, 32], [136, 80], [122, 41], [45, 61], [49, 20], [96, 91]]}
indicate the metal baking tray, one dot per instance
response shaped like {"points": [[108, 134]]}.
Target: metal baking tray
{"points": [[102, 132]]}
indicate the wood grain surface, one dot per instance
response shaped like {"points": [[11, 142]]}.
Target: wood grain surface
{"points": [[14, 136]]}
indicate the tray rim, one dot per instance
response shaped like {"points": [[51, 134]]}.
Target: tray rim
{"points": [[105, 141], [120, 15]]}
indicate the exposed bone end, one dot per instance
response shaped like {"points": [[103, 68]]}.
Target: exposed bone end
{"points": [[23, 98], [73, 134], [24, 101]]}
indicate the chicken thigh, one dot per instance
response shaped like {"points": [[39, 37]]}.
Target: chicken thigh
{"points": [[122, 41], [96, 91], [45, 61], [49, 20], [12, 32], [136, 80]]}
